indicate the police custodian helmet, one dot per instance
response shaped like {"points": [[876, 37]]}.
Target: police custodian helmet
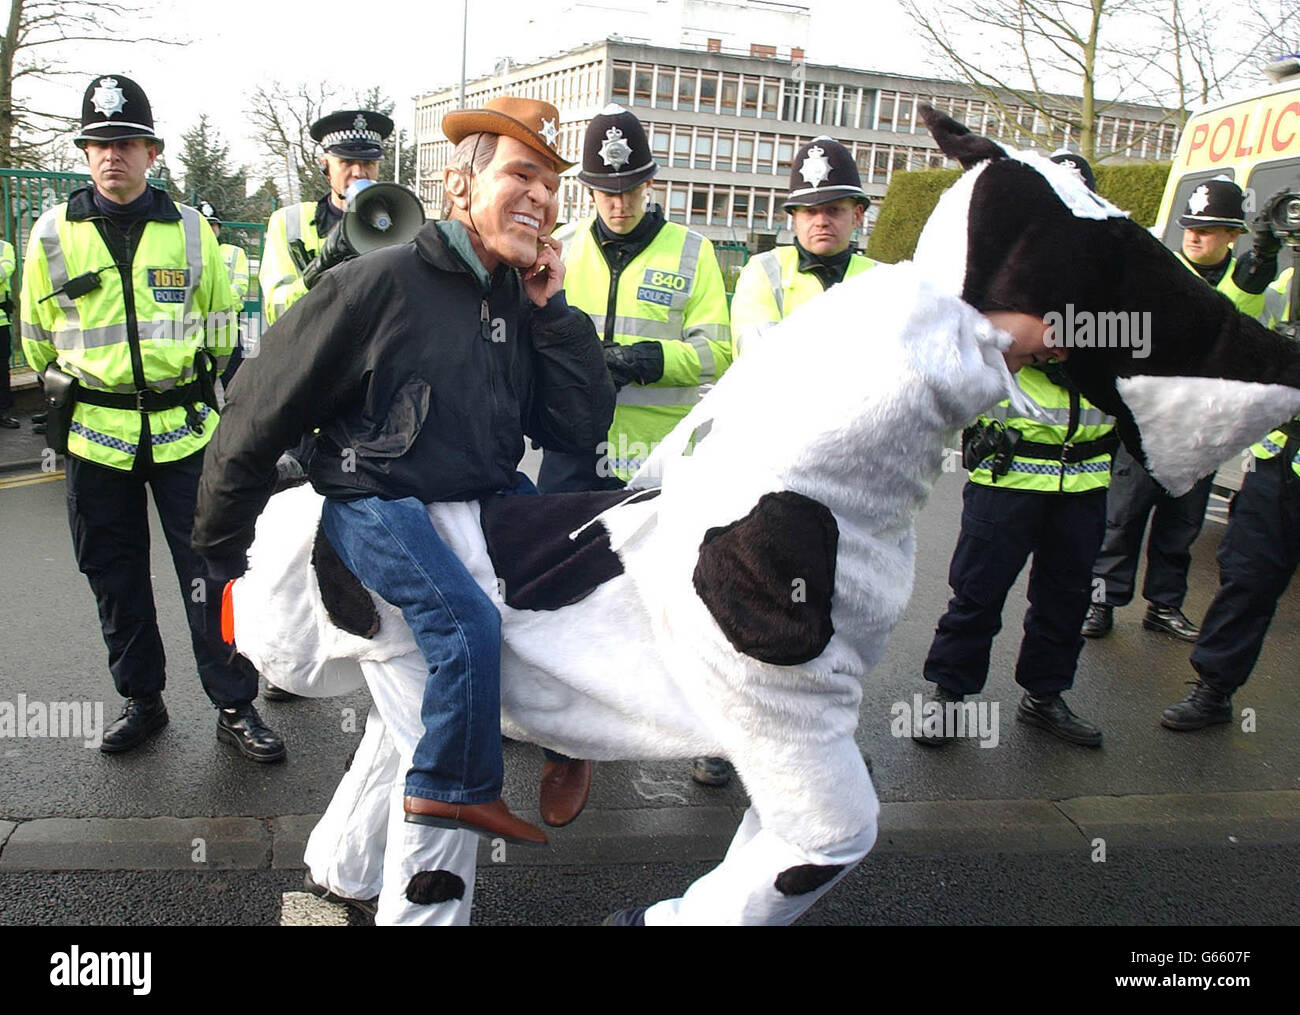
{"points": [[1216, 202], [115, 108], [615, 153], [824, 171], [356, 134]]}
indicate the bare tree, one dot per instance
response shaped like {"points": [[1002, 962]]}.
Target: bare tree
{"points": [[282, 117], [1010, 49], [38, 37]]}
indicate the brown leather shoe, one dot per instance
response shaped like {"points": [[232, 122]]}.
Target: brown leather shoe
{"points": [[493, 820], [565, 785]]}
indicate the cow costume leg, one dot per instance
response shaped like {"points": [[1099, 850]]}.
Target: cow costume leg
{"points": [[345, 851]]}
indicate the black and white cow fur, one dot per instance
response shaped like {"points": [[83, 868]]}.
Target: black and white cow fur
{"points": [[737, 612]]}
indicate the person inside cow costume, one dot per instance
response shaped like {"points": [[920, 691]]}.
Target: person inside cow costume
{"points": [[731, 600]]}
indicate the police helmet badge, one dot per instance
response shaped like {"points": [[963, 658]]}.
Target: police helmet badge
{"points": [[815, 169], [615, 151], [108, 98], [1199, 200], [360, 122]]}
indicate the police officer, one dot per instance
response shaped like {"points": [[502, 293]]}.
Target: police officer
{"points": [[236, 262], [1257, 557], [352, 144], [122, 289], [828, 204], [654, 290], [7, 419], [1212, 221], [1036, 486], [351, 141]]}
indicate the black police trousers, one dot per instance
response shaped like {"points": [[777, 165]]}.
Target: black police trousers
{"points": [[1175, 523], [108, 515], [1257, 556], [1000, 528]]}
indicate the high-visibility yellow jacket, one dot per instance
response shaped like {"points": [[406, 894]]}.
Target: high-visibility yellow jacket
{"points": [[1251, 304], [771, 286], [1274, 313], [7, 264], [124, 340], [1071, 421], [281, 281], [671, 292], [236, 262]]}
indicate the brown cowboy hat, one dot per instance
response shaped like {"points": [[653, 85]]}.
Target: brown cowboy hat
{"points": [[529, 121]]}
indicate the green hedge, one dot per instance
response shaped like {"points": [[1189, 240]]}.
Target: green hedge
{"points": [[911, 197]]}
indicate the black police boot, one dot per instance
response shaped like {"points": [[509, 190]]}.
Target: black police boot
{"points": [[243, 727], [1050, 712], [141, 718], [7, 421], [1170, 620], [711, 771], [948, 731], [40, 417], [273, 693], [1099, 621], [1203, 706]]}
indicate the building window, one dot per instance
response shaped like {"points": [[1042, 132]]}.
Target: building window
{"points": [[730, 94], [686, 90], [749, 99], [703, 150], [771, 96], [740, 208], [864, 161], [790, 104], [682, 147], [726, 144], [709, 93], [745, 154], [762, 206], [721, 203], [757, 49], [699, 206], [765, 148], [812, 104], [880, 166], [659, 145], [784, 155], [664, 88], [622, 82], [903, 116], [886, 120], [677, 202], [641, 88]]}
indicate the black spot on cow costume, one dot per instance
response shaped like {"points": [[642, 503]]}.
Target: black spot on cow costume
{"points": [[675, 637]]}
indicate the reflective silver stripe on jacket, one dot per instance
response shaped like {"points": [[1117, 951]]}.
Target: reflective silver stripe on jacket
{"points": [[193, 223], [293, 224], [1056, 417], [634, 394], [1274, 306], [772, 269], [47, 231]]}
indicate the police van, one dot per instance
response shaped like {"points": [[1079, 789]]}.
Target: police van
{"points": [[1253, 140]]}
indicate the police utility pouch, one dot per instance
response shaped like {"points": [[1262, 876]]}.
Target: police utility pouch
{"points": [[60, 399]]}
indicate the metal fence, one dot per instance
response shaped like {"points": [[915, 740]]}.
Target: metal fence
{"points": [[27, 194]]}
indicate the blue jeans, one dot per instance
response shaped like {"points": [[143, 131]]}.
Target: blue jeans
{"points": [[393, 548]]}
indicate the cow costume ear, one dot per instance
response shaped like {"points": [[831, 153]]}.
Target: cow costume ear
{"points": [[956, 140]]}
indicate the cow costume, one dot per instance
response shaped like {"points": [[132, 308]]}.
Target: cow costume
{"points": [[731, 600]]}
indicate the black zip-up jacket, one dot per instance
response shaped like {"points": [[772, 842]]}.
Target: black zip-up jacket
{"points": [[423, 376]]}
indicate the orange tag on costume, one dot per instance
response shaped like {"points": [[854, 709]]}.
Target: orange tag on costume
{"points": [[228, 613]]}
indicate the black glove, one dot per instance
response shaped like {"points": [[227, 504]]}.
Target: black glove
{"points": [[639, 363], [1265, 244], [335, 250]]}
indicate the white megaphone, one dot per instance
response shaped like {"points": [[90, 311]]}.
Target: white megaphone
{"points": [[374, 215]]}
